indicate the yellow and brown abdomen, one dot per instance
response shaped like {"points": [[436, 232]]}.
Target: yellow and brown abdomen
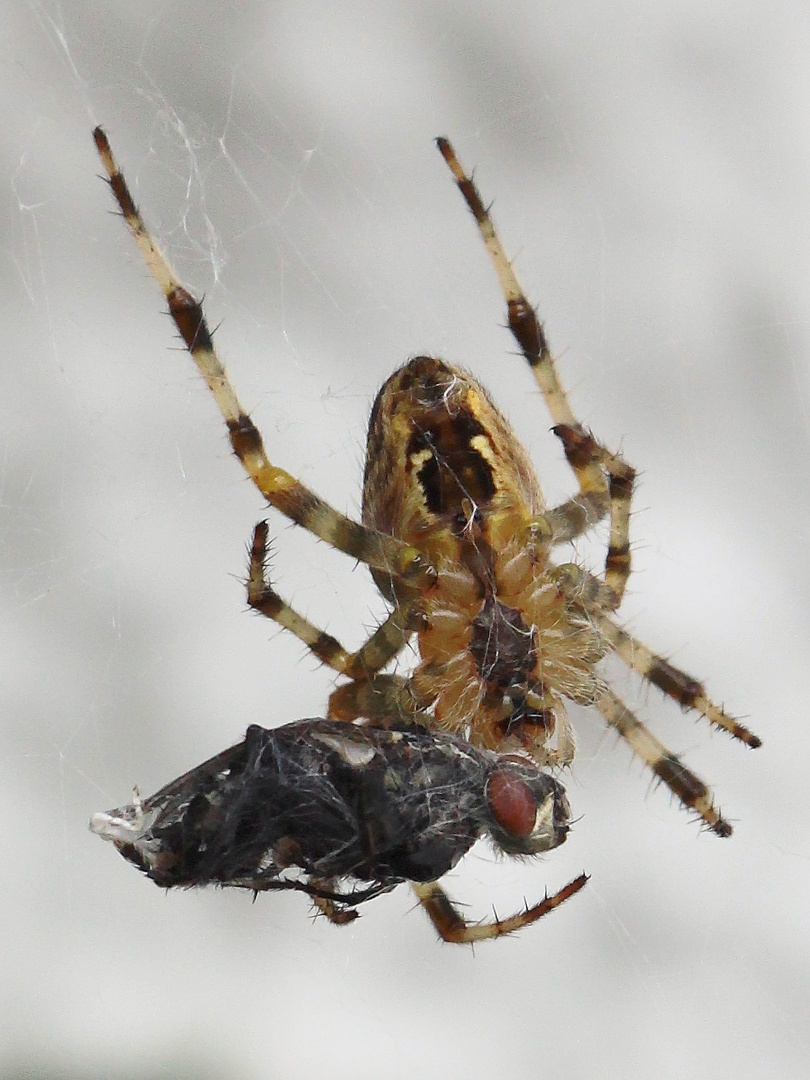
{"points": [[439, 451]]}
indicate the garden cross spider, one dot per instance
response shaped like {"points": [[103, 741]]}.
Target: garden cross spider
{"points": [[458, 539]]}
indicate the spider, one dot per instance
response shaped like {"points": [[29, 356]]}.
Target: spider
{"points": [[459, 540], [355, 810]]}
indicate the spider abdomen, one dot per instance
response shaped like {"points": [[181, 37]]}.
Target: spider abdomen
{"points": [[439, 452]]}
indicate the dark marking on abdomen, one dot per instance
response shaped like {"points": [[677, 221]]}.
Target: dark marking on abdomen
{"points": [[456, 471]]}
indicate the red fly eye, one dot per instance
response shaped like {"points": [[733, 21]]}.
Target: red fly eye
{"points": [[512, 803]]}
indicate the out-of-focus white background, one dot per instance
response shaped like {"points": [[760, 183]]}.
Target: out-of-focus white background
{"points": [[650, 169]]}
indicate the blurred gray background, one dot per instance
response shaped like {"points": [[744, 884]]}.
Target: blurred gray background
{"points": [[649, 166]]}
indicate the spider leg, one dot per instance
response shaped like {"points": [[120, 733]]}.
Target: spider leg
{"points": [[581, 448], [383, 645], [588, 459], [280, 489], [683, 688], [383, 699], [589, 592], [452, 926], [667, 766]]}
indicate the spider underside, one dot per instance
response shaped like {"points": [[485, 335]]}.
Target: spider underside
{"points": [[459, 541]]}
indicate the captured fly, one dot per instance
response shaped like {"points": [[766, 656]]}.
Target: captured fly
{"points": [[344, 813]]}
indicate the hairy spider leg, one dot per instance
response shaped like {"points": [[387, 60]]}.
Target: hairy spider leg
{"points": [[451, 925], [281, 490], [588, 459]]}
